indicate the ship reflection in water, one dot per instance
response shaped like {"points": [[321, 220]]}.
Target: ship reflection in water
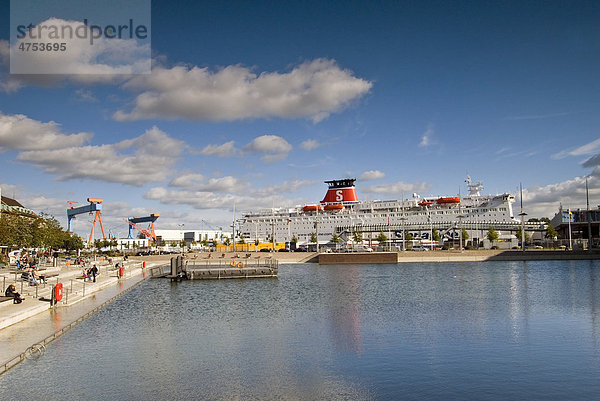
{"points": [[491, 330]]}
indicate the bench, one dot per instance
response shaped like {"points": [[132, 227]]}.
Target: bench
{"points": [[3, 299]]}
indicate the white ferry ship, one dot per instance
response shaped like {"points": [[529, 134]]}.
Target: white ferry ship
{"points": [[342, 213]]}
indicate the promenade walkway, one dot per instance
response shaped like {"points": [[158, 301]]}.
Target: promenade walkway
{"points": [[34, 321]]}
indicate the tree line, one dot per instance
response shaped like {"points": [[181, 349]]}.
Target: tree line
{"points": [[42, 231]]}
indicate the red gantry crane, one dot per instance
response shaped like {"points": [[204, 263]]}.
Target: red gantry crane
{"points": [[147, 232]]}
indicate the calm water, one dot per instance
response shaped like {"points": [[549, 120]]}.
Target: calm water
{"points": [[488, 331]]}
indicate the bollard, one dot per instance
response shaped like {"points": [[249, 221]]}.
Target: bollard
{"points": [[21, 286], [36, 291], [3, 284], [71, 285], [83, 295]]}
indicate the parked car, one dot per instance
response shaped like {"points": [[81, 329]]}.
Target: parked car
{"points": [[419, 248]]}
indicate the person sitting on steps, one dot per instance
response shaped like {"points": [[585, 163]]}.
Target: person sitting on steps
{"points": [[11, 291]]}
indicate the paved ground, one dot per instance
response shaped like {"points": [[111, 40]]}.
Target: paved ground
{"points": [[34, 321]]}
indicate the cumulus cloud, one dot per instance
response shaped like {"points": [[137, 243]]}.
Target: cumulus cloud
{"points": [[273, 148], [222, 185], [101, 61], [397, 188], [213, 200], [427, 137], [227, 149], [18, 132], [8, 83], [137, 161], [221, 193], [371, 175], [545, 200], [313, 89], [310, 144], [290, 186], [186, 180]]}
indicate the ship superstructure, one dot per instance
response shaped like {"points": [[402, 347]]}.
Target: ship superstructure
{"points": [[341, 212]]}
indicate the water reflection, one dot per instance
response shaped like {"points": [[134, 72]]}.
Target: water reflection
{"points": [[517, 330]]}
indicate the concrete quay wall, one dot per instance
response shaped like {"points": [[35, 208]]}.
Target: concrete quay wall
{"points": [[358, 258], [453, 256]]}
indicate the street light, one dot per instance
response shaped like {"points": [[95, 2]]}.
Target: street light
{"points": [[570, 238], [460, 217], [522, 214]]}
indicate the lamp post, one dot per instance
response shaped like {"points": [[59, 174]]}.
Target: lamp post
{"points": [[570, 238], [522, 214], [402, 219], [460, 228], [588, 217]]}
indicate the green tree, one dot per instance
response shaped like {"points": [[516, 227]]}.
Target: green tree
{"points": [[295, 239], [408, 237], [551, 232], [435, 235], [357, 237], [71, 242], [518, 235], [381, 237], [465, 235], [313, 237], [492, 235], [335, 239]]}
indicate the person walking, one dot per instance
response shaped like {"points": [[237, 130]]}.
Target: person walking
{"points": [[94, 273]]}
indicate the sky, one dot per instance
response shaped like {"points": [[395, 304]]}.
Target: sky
{"points": [[257, 103]]}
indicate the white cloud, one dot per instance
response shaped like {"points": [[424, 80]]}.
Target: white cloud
{"points": [[371, 175], [18, 132], [310, 144], [186, 180], [397, 188], [214, 200], [137, 161], [222, 184], [285, 187], [274, 148], [8, 83], [85, 95], [427, 137], [221, 193], [313, 89], [106, 57], [587, 149], [227, 149]]}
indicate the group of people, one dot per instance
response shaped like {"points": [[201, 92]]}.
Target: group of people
{"points": [[92, 272], [34, 277]]}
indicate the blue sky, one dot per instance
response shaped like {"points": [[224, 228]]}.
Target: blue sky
{"points": [[259, 102]]}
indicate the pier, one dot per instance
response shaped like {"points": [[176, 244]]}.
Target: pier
{"points": [[222, 268]]}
